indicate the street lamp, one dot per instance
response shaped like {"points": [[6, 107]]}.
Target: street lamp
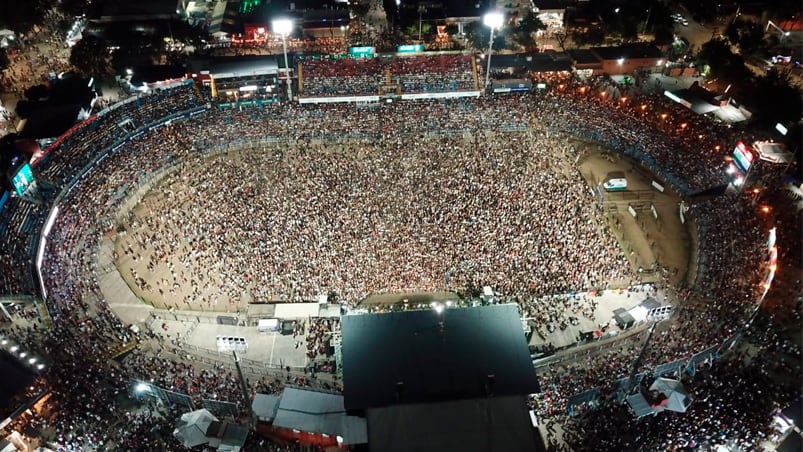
{"points": [[491, 20], [284, 27]]}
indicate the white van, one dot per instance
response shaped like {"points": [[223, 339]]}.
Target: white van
{"points": [[266, 325], [615, 181]]}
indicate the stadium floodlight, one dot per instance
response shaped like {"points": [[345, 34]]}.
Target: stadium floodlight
{"points": [[492, 20], [284, 27]]}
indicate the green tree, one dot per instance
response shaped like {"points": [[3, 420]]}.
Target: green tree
{"points": [[778, 100], [19, 16], [724, 64], [24, 108], [412, 30], [745, 34], [530, 23], [588, 36], [523, 32], [561, 37], [524, 39], [663, 35], [4, 61], [479, 35], [90, 56], [73, 8]]}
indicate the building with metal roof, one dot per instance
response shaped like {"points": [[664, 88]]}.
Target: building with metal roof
{"points": [[311, 417], [617, 60]]}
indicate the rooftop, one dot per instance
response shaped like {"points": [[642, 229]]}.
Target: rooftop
{"points": [[534, 62], [584, 56], [477, 425], [627, 52], [422, 356], [235, 66]]}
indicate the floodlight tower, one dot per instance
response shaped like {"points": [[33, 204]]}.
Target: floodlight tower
{"points": [[655, 316], [492, 20], [283, 27]]}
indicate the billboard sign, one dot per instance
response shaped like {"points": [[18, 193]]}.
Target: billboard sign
{"points": [[410, 48], [742, 157], [362, 52], [23, 179]]}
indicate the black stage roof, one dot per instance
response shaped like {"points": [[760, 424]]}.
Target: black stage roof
{"points": [[478, 425], [434, 361], [534, 62]]}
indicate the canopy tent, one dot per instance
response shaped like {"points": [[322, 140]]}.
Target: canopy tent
{"points": [[192, 427], [677, 399], [640, 311], [639, 405]]}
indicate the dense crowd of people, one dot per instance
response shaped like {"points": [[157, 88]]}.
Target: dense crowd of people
{"points": [[347, 77], [356, 219], [378, 202], [426, 74], [367, 76]]}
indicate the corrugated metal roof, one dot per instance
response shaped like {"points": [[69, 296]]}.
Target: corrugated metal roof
{"points": [[319, 412], [265, 406]]}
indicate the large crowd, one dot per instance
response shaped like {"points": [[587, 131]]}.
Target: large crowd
{"points": [[378, 199], [368, 76], [356, 219]]}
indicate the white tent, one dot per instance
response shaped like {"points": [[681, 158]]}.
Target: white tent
{"points": [[6, 35], [677, 399], [192, 427]]}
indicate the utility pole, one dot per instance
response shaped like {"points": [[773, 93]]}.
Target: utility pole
{"points": [[246, 393], [655, 316]]}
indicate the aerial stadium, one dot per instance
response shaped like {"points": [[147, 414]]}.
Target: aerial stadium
{"points": [[574, 266]]}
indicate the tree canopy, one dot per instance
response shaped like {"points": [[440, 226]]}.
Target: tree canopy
{"points": [[90, 56], [745, 34], [775, 99], [479, 35], [723, 63], [4, 60], [20, 16]]}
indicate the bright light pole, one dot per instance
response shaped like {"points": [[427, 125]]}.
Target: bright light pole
{"points": [[284, 27], [491, 20]]}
